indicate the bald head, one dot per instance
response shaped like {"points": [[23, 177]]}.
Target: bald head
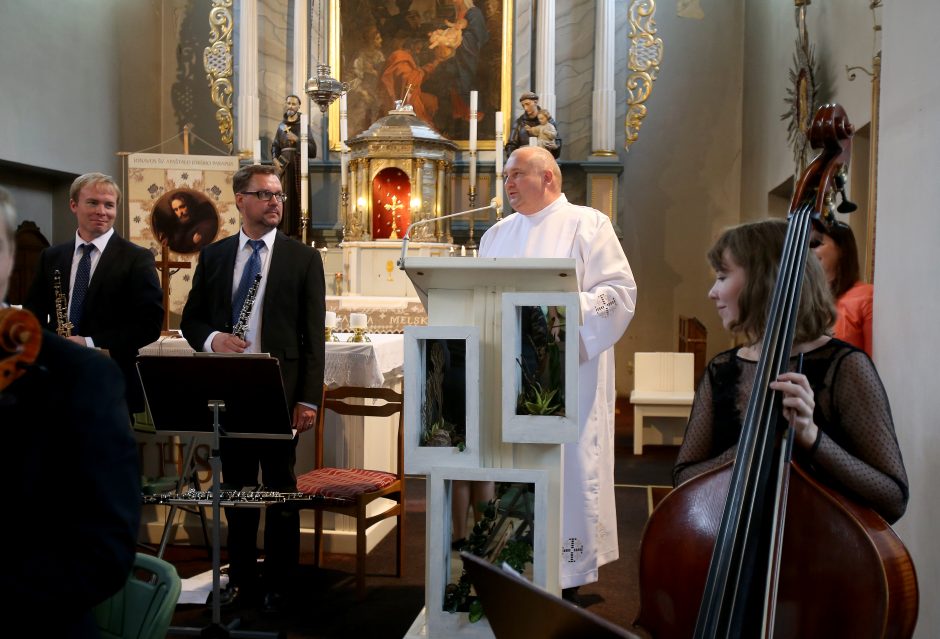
{"points": [[533, 179]]}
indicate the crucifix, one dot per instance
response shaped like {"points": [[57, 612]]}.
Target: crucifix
{"points": [[394, 207], [164, 265]]}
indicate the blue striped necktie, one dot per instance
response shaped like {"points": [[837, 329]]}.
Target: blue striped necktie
{"points": [[80, 288], [252, 268]]}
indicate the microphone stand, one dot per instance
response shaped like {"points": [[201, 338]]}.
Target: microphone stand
{"points": [[407, 237]]}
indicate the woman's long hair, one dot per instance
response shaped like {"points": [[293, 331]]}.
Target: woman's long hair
{"points": [[756, 247], [847, 269]]}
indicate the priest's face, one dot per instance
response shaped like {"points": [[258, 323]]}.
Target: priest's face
{"points": [[527, 182], [260, 216], [729, 281], [95, 210]]}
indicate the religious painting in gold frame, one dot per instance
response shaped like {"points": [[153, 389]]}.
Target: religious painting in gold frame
{"points": [[379, 54]]}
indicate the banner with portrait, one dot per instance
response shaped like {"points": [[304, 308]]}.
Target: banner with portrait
{"points": [[183, 202]]}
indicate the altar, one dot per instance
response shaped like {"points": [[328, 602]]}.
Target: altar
{"points": [[379, 362]]}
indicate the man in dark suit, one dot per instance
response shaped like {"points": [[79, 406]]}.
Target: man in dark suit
{"points": [[73, 470], [285, 320], [114, 297]]}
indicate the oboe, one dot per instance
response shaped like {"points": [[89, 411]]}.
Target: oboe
{"points": [[241, 326], [63, 325]]}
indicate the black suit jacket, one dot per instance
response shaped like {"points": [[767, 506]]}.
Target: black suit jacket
{"points": [[73, 471], [123, 307], [292, 314]]}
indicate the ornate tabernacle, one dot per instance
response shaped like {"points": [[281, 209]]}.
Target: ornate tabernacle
{"points": [[399, 173]]}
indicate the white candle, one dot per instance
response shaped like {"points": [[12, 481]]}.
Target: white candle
{"points": [[473, 121], [463, 251], [499, 158], [303, 161], [533, 141], [330, 319], [473, 139], [343, 133], [357, 320], [256, 152]]}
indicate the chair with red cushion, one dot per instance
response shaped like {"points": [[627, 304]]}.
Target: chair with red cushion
{"points": [[349, 491]]}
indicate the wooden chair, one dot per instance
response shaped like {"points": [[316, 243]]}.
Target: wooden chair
{"points": [[693, 338], [349, 491], [662, 387]]}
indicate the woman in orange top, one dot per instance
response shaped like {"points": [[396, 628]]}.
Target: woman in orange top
{"points": [[838, 253]]}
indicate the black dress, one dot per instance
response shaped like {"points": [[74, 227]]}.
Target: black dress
{"points": [[857, 451]]}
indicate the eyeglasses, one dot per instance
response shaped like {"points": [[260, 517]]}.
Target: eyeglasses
{"points": [[265, 196]]}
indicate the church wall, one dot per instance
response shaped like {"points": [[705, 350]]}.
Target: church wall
{"points": [[905, 308], [681, 179], [60, 77], [907, 270]]}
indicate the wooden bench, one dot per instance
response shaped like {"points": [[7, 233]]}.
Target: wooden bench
{"points": [[662, 387]]}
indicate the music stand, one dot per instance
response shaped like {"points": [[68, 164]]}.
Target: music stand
{"points": [[515, 607], [228, 396]]}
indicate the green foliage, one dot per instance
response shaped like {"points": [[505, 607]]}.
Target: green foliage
{"points": [[517, 553]]}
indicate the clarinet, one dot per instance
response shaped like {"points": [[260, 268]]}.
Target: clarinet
{"points": [[241, 326], [63, 325]]}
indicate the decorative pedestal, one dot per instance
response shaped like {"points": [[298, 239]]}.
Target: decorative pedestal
{"points": [[370, 268]]}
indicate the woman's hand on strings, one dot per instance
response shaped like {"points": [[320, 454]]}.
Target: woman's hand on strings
{"points": [[798, 405]]}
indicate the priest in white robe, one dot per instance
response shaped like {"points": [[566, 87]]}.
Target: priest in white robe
{"points": [[547, 225]]}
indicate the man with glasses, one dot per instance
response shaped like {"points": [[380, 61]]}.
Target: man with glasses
{"points": [[547, 225], [285, 320]]}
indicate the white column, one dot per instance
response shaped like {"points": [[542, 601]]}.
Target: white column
{"points": [[300, 51], [545, 55], [604, 97], [246, 115]]}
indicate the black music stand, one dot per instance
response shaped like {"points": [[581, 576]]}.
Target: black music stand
{"points": [[228, 396]]}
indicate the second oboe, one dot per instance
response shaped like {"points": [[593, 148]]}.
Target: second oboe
{"points": [[241, 326]]}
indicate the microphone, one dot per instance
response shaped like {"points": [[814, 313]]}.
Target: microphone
{"points": [[407, 237]]}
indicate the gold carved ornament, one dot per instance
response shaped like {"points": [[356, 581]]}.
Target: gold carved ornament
{"points": [[802, 93], [645, 56], [217, 60]]}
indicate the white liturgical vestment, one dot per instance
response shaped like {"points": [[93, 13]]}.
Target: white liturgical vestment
{"points": [[608, 298]]}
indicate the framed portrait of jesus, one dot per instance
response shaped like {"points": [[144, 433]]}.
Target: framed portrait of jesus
{"points": [[441, 49]]}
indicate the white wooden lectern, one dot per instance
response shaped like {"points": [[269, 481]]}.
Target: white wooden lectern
{"points": [[468, 292]]}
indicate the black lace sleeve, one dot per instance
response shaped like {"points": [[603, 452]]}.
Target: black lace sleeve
{"points": [[860, 449], [696, 454]]}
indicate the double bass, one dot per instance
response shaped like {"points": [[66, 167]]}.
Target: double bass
{"points": [[758, 547], [20, 340]]}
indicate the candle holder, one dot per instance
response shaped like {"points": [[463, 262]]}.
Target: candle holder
{"points": [[328, 334], [304, 218], [359, 335], [471, 243], [344, 198]]}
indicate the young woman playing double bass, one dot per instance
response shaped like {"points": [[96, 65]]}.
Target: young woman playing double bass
{"points": [[843, 429]]}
